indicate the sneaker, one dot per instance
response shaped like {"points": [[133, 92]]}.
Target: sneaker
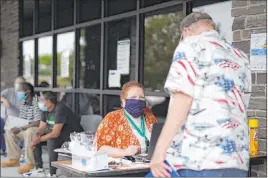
{"points": [[49, 175], [2, 152], [35, 173]]}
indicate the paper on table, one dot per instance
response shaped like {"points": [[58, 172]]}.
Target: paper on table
{"points": [[114, 79], [12, 122]]}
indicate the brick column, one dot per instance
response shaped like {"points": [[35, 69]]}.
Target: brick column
{"points": [[9, 42], [250, 18]]}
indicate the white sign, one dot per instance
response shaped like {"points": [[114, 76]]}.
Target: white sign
{"points": [[258, 52], [114, 80], [27, 66], [123, 56], [64, 63]]}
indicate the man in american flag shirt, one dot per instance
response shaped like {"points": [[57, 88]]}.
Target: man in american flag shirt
{"points": [[206, 131]]}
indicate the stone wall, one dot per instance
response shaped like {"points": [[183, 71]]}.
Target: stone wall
{"points": [[250, 17], [9, 42]]}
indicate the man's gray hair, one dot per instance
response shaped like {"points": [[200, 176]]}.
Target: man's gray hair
{"points": [[21, 78], [49, 95]]}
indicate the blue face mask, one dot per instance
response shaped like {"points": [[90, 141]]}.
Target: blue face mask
{"points": [[21, 96], [42, 106]]}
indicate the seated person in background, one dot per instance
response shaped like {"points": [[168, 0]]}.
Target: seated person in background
{"points": [[10, 105], [127, 131], [56, 125], [28, 110]]}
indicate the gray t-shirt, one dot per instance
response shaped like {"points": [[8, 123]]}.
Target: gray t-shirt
{"points": [[14, 102]]}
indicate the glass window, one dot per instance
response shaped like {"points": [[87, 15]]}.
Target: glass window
{"points": [[146, 3], [90, 44], [120, 51], [111, 103], [45, 59], [44, 16], [223, 23], [161, 37], [64, 13], [65, 59], [89, 10], [28, 60], [27, 17], [114, 7], [159, 106]]}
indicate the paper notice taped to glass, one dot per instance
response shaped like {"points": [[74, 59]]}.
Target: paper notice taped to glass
{"points": [[123, 56], [114, 80]]}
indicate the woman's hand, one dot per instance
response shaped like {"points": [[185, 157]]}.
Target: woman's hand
{"points": [[131, 150], [158, 167]]}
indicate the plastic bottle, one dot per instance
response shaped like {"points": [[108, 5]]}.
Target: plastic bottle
{"points": [[254, 137], [22, 159]]}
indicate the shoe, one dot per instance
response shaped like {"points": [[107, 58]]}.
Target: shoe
{"points": [[11, 163], [25, 168], [39, 172]]}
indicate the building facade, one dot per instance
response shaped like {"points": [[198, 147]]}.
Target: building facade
{"points": [[80, 46]]}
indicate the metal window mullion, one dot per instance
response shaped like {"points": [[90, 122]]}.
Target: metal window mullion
{"points": [[76, 72], [53, 14], [35, 17], [54, 61], [137, 42], [102, 56], [20, 70], [188, 7], [36, 62]]}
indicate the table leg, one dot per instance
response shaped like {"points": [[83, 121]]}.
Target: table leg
{"points": [[249, 171]]}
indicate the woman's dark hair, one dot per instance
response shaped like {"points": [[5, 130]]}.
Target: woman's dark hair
{"points": [[27, 87], [49, 95]]}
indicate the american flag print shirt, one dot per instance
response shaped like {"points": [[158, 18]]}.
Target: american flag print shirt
{"points": [[217, 76]]}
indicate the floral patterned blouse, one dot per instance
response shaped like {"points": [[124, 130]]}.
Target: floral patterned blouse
{"points": [[115, 130]]}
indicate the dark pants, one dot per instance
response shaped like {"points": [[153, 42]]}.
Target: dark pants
{"points": [[52, 144], [2, 138]]}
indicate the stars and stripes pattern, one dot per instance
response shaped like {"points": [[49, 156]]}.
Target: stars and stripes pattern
{"points": [[216, 75]]}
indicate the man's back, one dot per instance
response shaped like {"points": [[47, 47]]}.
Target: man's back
{"points": [[14, 102], [218, 76]]}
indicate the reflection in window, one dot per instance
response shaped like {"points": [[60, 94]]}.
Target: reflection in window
{"points": [[114, 7], [223, 22], [161, 39], [88, 104], [65, 59], [27, 17], [90, 43], [28, 60], [159, 106], [45, 60], [111, 103], [120, 50], [89, 10], [44, 16], [64, 13]]}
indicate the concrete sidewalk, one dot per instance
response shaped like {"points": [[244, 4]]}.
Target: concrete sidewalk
{"points": [[12, 172]]}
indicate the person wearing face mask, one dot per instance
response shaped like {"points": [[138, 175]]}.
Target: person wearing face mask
{"points": [[10, 104], [57, 123], [127, 131], [30, 111]]}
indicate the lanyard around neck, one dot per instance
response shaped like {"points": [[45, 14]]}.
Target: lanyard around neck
{"points": [[140, 131]]}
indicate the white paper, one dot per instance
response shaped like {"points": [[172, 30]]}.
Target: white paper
{"points": [[258, 52], [65, 64], [27, 66], [12, 122], [114, 79], [123, 56]]}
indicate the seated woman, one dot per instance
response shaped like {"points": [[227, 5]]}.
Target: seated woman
{"points": [[127, 131]]}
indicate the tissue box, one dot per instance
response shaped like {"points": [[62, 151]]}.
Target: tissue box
{"points": [[94, 163]]}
